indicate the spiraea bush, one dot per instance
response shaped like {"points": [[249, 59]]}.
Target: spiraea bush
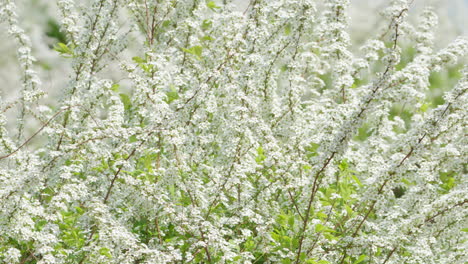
{"points": [[259, 134]]}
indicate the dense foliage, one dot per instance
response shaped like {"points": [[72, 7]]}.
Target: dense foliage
{"points": [[258, 134]]}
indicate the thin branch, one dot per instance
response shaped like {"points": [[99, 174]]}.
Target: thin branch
{"points": [[35, 134]]}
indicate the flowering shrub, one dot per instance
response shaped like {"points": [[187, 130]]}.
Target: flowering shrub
{"points": [[254, 136]]}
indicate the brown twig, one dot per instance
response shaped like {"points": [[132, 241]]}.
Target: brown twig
{"points": [[35, 134]]}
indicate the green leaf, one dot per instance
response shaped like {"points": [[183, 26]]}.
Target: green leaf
{"points": [[343, 165], [322, 215], [40, 224], [126, 101], [465, 230], [311, 150], [195, 50], [212, 5], [287, 29], [329, 236], [424, 107], [206, 24], [360, 259], [313, 261], [291, 221], [206, 38], [115, 87], [357, 180], [79, 210], [132, 138], [323, 229], [348, 210], [47, 194], [148, 162], [319, 228], [166, 23], [277, 237], [172, 94], [172, 190], [143, 64], [363, 132], [54, 31], [138, 60], [282, 218], [64, 50], [249, 244], [260, 156], [105, 252]]}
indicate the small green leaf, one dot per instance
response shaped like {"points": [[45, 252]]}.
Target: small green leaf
{"points": [[172, 190], [166, 23], [311, 150], [212, 5], [132, 138], [343, 165], [105, 252], [329, 236], [319, 228], [54, 31], [206, 24], [349, 211], [424, 107], [206, 38], [260, 156], [249, 244], [195, 50], [40, 224], [115, 87], [138, 60], [291, 221], [64, 50], [360, 259], [379, 252], [287, 29], [322, 215], [172, 94], [79, 210], [357, 180], [126, 101]]}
